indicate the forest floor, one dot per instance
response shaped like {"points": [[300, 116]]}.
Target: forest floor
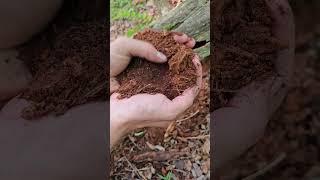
{"points": [[180, 152], [288, 150]]}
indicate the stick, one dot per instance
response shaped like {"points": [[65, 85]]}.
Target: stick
{"points": [[136, 171], [184, 119], [267, 168]]}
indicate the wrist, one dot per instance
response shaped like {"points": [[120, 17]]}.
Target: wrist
{"points": [[119, 127]]}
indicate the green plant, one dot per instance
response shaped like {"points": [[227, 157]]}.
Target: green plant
{"points": [[126, 10], [139, 134], [135, 29], [169, 176]]}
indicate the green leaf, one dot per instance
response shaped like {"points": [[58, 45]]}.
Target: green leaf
{"points": [[139, 134]]}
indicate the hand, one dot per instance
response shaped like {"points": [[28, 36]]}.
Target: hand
{"points": [[240, 125], [71, 146], [123, 49], [145, 110]]}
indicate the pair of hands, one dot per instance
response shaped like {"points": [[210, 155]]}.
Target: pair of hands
{"points": [[239, 126], [53, 145], [145, 110], [236, 127]]}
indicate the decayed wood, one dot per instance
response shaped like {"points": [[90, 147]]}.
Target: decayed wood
{"points": [[193, 18]]}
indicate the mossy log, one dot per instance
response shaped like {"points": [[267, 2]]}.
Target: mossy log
{"points": [[193, 18]]}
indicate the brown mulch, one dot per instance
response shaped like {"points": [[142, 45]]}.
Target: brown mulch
{"points": [[170, 78], [68, 63], [243, 45]]}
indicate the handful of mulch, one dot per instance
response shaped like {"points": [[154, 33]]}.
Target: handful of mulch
{"points": [[170, 79], [69, 71], [244, 47]]}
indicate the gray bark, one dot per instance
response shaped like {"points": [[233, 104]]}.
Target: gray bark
{"points": [[192, 18]]}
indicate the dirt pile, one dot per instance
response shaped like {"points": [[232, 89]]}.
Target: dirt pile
{"points": [[243, 46], [68, 70], [170, 79]]}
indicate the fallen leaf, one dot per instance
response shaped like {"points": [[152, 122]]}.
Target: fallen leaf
{"points": [[206, 147]]}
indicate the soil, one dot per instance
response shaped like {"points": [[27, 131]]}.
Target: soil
{"points": [[68, 64], [170, 78], [243, 46]]}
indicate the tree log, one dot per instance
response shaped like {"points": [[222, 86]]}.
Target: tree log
{"points": [[192, 18]]}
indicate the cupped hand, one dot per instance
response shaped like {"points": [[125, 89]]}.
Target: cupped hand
{"points": [[145, 110], [240, 125]]}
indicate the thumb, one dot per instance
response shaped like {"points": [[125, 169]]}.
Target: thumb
{"points": [[114, 85], [133, 47]]}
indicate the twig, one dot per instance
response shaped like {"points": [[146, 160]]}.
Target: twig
{"points": [[181, 171], [267, 168], [142, 169], [184, 119], [169, 129], [136, 171], [191, 138], [131, 139]]}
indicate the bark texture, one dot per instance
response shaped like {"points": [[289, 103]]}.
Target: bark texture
{"points": [[193, 18]]}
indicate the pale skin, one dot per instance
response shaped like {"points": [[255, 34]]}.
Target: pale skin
{"points": [[77, 144], [73, 146], [145, 110]]}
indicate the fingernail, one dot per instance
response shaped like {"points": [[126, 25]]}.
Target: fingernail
{"points": [[162, 56]]}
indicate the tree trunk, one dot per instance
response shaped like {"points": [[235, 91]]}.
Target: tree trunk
{"points": [[193, 18]]}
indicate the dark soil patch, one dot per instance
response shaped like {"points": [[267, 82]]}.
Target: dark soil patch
{"points": [[170, 78], [243, 46], [68, 63]]}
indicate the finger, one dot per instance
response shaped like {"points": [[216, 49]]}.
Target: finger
{"points": [[114, 85], [184, 101], [284, 30], [197, 63], [133, 47], [181, 38], [13, 109], [277, 94], [184, 39], [14, 75], [114, 96], [191, 43]]}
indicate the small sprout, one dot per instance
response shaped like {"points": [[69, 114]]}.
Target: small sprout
{"points": [[139, 134], [169, 176]]}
